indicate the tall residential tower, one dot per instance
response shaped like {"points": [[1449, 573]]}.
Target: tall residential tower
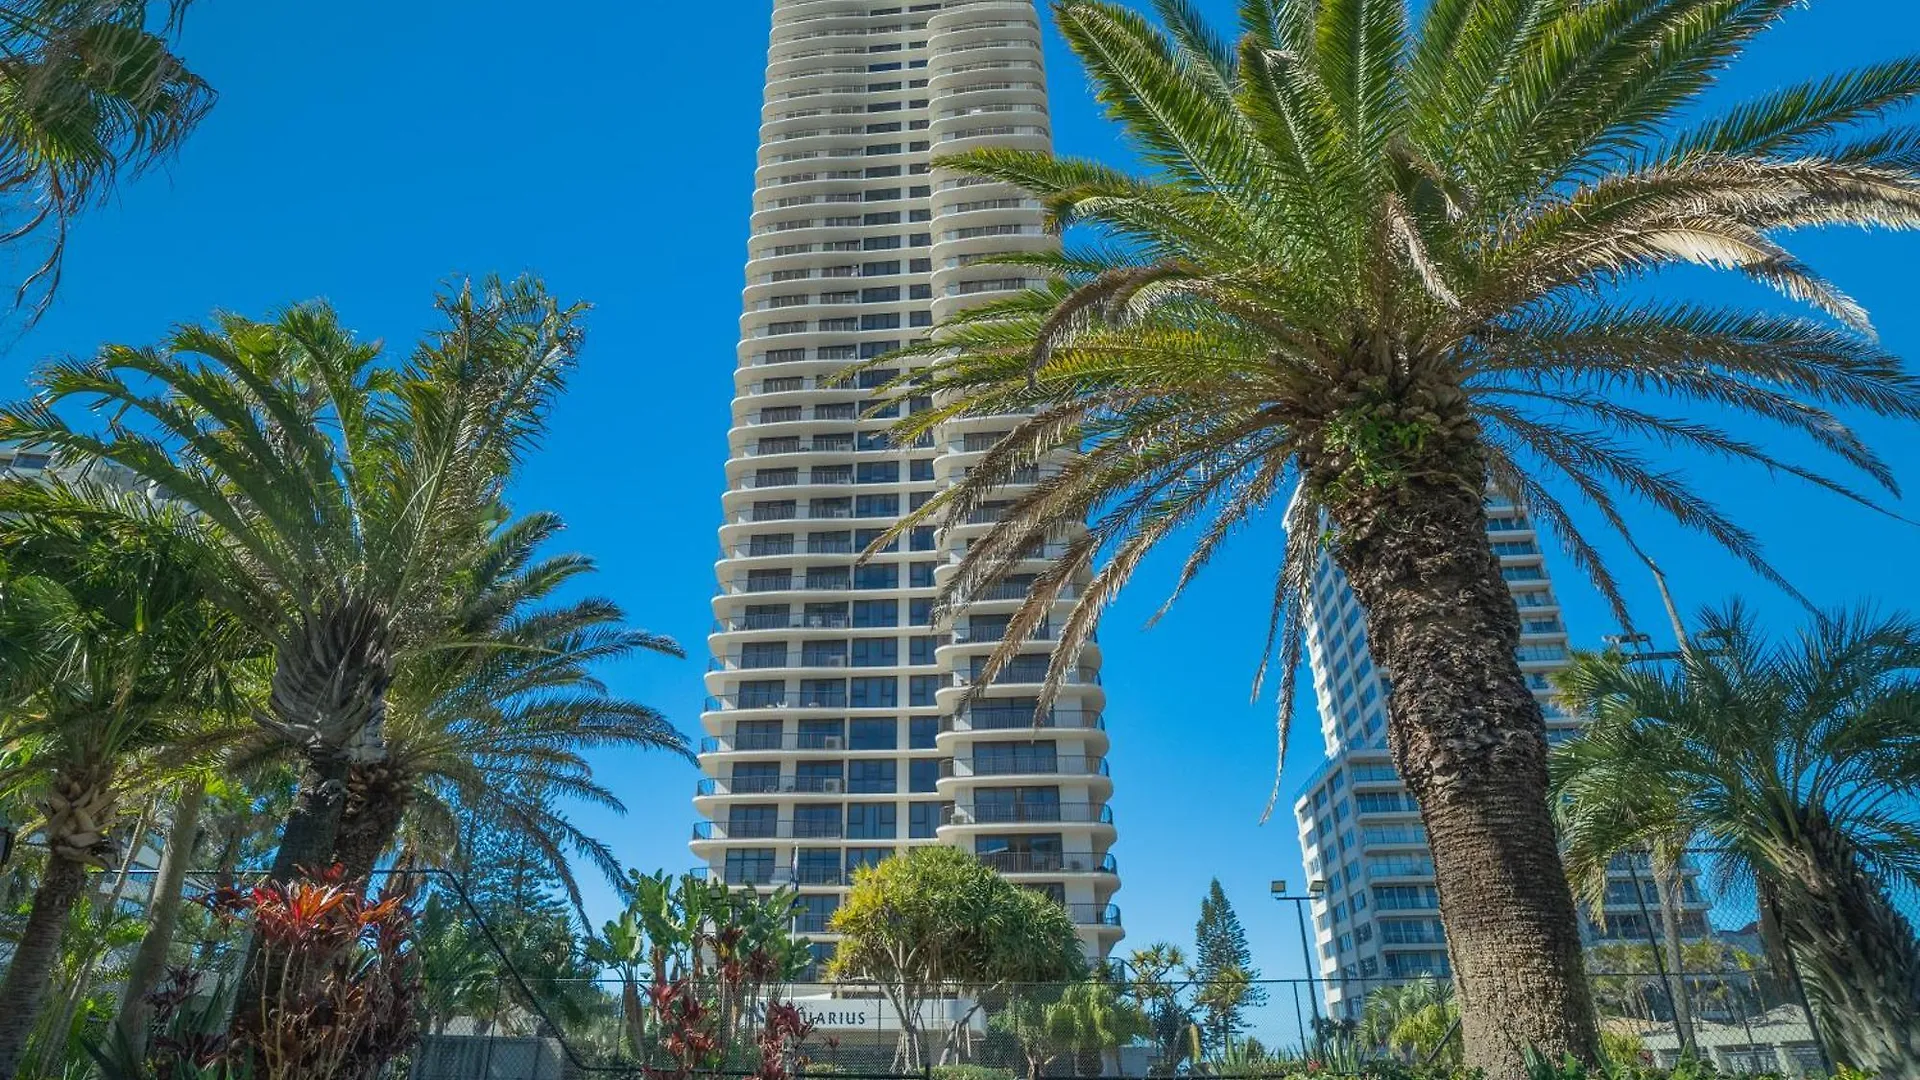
{"points": [[835, 731]]}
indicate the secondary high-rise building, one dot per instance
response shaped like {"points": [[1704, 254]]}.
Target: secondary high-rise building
{"points": [[835, 730], [1376, 910]]}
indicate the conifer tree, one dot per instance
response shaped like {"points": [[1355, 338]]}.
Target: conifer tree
{"points": [[1223, 966]]}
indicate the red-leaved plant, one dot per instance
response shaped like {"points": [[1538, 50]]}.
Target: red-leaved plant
{"points": [[342, 999], [782, 1043], [686, 1027]]}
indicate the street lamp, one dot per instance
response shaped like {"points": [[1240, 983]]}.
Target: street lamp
{"points": [[1315, 889]]}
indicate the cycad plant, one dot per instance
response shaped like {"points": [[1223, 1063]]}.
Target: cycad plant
{"points": [[108, 652], [1372, 272], [1797, 761], [490, 725], [346, 498]]}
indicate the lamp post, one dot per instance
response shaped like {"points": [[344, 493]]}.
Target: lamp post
{"points": [[1314, 889]]}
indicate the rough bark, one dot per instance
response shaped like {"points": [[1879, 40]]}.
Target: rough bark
{"points": [[163, 916], [1465, 730], [29, 976], [1857, 957], [377, 799], [104, 906], [306, 846]]}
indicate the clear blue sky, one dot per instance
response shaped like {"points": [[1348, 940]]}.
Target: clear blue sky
{"points": [[363, 150]]}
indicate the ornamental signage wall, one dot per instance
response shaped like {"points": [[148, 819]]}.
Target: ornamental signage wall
{"points": [[873, 1014]]}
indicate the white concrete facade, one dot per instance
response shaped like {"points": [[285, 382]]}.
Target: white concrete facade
{"points": [[835, 733]]}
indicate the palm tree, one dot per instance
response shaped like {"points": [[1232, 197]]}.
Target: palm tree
{"points": [[1388, 1007], [1368, 278], [1796, 761], [346, 498], [90, 91], [490, 726], [1092, 1018], [109, 649]]}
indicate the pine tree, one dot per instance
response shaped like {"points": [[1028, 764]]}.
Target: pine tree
{"points": [[1223, 966]]}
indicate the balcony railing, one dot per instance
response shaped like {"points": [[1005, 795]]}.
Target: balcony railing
{"points": [[788, 742], [986, 717], [995, 633], [1027, 674], [786, 620], [771, 785], [778, 830], [1050, 862], [788, 700], [779, 875], [1024, 765], [1025, 813], [1094, 914], [743, 586]]}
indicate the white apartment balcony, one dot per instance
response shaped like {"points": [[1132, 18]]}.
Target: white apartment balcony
{"points": [[969, 819], [1026, 865], [958, 776]]}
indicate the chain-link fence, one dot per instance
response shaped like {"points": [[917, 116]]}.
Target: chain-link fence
{"points": [[1710, 988]]}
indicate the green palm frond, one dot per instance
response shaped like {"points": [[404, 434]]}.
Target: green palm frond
{"points": [[1356, 211], [90, 92]]}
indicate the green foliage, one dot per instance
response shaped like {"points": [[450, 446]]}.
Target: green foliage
{"points": [[936, 922], [1082, 1020], [91, 92], [1223, 965], [1157, 979], [491, 732], [1378, 257], [965, 926], [1410, 1020], [697, 961], [1794, 759], [336, 499]]}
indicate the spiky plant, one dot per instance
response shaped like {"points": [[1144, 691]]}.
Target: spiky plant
{"points": [[90, 92], [346, 498], [110, 652], [1797, 761], [1373, 271], [491, 724]]}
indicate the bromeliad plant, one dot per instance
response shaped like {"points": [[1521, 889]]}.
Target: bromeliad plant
{"points": [[345, 1000], [1373, 269]]}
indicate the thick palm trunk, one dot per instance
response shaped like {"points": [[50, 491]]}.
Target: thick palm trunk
{"points": [[1857, 957], [163, 916], [30, 974], [1470, 741], [377, 798], [104, 906], [306, 847]]}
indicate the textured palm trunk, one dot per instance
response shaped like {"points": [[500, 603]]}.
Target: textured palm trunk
{"points": [[1857, 957], [377, 799], [163, 916], [23, 993], [1470, 740], [104, 906]]}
